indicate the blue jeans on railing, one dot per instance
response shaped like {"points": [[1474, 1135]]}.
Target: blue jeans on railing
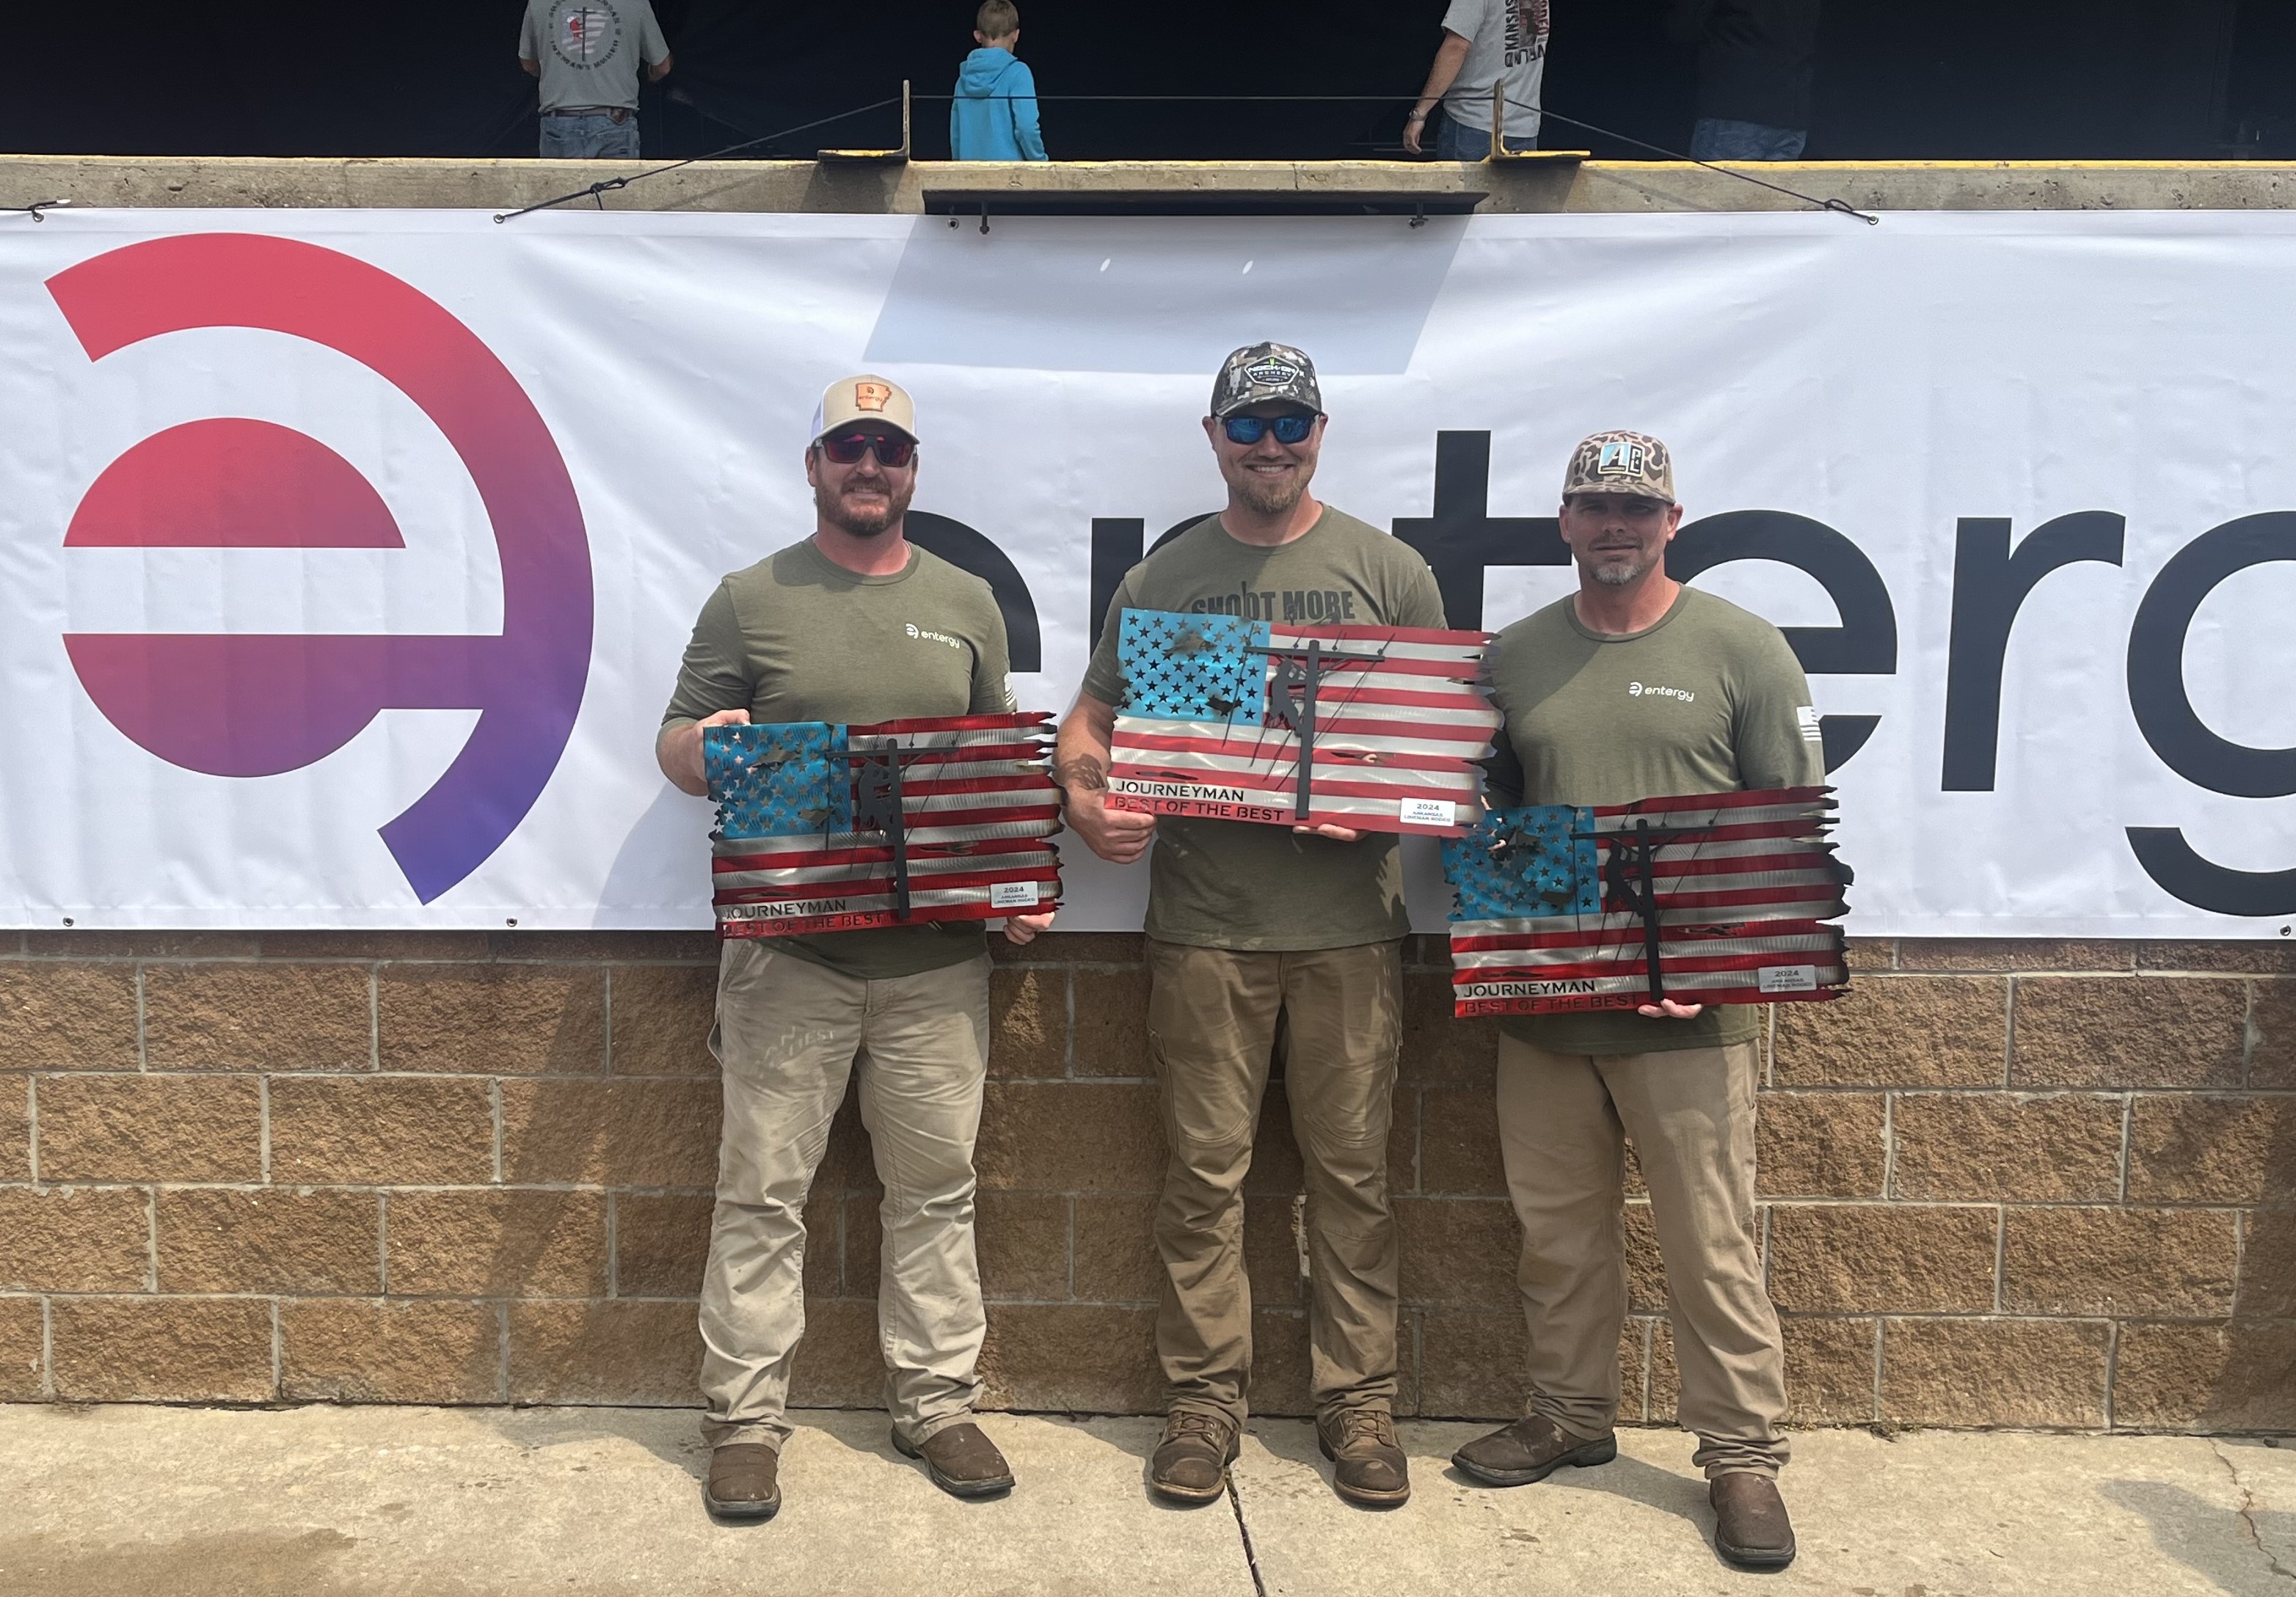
{"points": [[1718, 138], [588, 136]]}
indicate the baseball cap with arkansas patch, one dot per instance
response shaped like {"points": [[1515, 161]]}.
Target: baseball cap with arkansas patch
{"points": [[863, 398], [1266, 373], [1621, 463]]}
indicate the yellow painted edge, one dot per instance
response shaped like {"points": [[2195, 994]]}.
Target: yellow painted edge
{"points": [[1969, 166], [1770, 165]]}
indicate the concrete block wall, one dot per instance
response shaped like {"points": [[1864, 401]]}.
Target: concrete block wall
{"points": [[2004, 1183]]}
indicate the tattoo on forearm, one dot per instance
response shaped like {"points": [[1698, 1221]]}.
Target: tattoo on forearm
{"points": [[1082, 773]]}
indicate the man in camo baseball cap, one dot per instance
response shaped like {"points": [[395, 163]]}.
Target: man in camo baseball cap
{"points": [[1621, 463], [1633, 686], [1263, 374], [1259, 931]]}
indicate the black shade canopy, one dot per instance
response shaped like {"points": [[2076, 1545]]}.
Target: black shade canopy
{"points": [[1969, 78]]}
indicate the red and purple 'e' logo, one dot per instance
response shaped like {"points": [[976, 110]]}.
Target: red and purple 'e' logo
{"points": [[245, 705]]}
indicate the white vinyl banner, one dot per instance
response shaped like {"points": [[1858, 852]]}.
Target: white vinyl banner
{"points": [[346, 557]]}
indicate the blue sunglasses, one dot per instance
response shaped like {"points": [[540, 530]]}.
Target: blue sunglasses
{"points": [[1293, 428]]}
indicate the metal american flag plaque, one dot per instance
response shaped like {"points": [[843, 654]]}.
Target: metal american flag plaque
{"points": [[1712, 898], [1371, 727], [830, 828]]}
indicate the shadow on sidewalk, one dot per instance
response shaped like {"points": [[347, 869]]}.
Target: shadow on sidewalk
{"points": [[1135, 1436], [2230, 1549], [1683, 1496], [672, 1435]]}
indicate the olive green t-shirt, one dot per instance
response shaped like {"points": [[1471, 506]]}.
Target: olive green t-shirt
{"points": [[797, 637], [1240, 884], [1710, 699]]}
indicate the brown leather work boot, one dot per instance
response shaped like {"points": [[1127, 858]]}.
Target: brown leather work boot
{"points": [[961, 1461], [744, 1482], [1368, 1467], [1531, 1449], [1751, 1527], [1191, 1462]]}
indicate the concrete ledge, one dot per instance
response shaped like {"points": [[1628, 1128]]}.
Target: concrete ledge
{"points": [[868, 189]]}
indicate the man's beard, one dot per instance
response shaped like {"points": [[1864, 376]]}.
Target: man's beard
{"points": [[1619, 576], [1264, 497], [862, 523]]}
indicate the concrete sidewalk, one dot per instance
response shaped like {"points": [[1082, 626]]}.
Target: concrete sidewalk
{"points": [[604, 1502]]}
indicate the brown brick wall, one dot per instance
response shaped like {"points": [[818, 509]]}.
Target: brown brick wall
{"points": [[2004, 1183]]}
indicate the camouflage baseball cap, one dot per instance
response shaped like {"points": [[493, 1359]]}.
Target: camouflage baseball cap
{"points": [[1263, 374], [1621, 463]]}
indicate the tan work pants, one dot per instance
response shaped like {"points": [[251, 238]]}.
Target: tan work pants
{"points": [[790, 1034], [1561, 1119], [1213, 1029]]}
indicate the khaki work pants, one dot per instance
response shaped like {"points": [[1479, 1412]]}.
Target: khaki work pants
{"points": [[1213, 1027], [790, 1034], [1690, 1111]]}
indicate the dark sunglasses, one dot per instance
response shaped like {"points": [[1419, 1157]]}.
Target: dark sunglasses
{"points": [[1293, 428], [847, 448]]}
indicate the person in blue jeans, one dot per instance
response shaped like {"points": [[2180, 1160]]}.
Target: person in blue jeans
{"points": [[994, 116], [1487, 44], [1756, 62], [587, 55]]}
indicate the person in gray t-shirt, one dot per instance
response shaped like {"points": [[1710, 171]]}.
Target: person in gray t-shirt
{"points": [[1487, 44], [587, 53]]}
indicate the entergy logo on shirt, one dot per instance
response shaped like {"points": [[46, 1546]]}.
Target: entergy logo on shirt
{"points": [[930, 636], [1636, 689]]}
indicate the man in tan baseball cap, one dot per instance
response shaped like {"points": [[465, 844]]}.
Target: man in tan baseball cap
{"points": [[865, 403], [1632, 688], [851, 624]]}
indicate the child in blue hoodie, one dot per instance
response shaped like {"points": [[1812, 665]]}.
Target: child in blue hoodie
{"points": [[994, 116]]}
